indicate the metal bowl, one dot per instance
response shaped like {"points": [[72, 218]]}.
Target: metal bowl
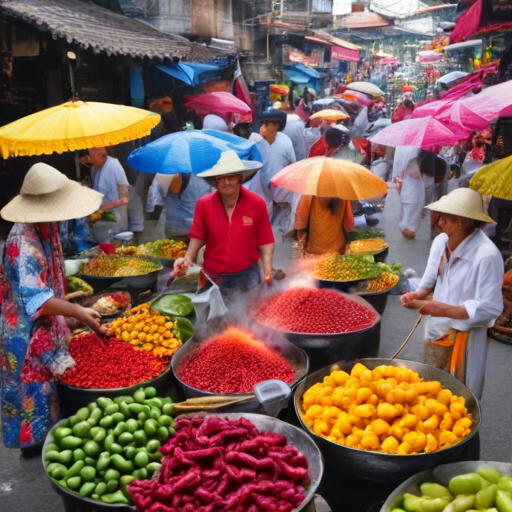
{"points": [[441, 474], [383, 467], [73, 398], [296, 356], [327, 349], [73, 502]]}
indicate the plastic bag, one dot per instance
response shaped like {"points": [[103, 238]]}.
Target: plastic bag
{"points": [[209, 304]]}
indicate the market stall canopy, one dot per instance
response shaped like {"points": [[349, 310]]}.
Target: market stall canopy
{"points": [[330, 115], [220, 103], [388, 61], [92, 26], [296, 76], [75, 125], [307, 70], [190, 151], [329, 177], [366, 87], [188, 72], [425, 132], [494, 179], [364, 19], [482, 17], [340, 49], [492, 102]]}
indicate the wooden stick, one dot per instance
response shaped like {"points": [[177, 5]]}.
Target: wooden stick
{"points": [[408, 337]]}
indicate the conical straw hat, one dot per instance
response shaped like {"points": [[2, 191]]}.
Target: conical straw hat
{"points": [[462, 202], [49, 196]]}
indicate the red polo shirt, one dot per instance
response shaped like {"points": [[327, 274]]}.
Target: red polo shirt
{"points": [[231, 246]]}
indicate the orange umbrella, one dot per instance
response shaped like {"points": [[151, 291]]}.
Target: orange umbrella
{"points": [[329, 177], [329, 114]]}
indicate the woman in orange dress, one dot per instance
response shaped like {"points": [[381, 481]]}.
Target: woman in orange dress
{"points": [[322, 224]]}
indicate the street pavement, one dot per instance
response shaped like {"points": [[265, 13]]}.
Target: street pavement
{"points": [[24, 486]]}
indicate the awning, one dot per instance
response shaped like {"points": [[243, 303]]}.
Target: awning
{"points": [[362, 20], [461, 46], [307, 70], [91, 26], [296, 76], [347, 51], [188, 72]]}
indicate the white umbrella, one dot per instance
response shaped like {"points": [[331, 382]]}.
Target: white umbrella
{"points": [[452, 77], [366, 87]]}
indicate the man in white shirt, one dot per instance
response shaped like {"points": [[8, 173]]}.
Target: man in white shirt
{"points": [[294, 129], [464, 275], [109, 178]]}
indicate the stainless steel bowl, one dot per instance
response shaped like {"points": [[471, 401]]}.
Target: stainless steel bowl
{"points": [[383, 467], [441, 474], [296, 356], [73, 502]]}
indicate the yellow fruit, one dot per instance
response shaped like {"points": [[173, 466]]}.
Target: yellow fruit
{"points": [[142, 336], [169, 325], [390, 445], [125, 336], [148, 347]]}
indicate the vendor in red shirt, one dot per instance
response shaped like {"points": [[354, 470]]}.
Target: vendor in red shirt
{"points": [[233, 224], [330, 142]]}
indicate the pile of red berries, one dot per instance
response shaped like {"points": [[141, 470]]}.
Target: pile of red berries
{"points": [[314, 311]]}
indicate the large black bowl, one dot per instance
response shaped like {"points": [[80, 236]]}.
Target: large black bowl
{"points": [[384, 467], [73, 398]]}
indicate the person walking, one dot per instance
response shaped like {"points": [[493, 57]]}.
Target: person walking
{"points": [[34, 335], [410, 186], [232, 225], [460, 292]]}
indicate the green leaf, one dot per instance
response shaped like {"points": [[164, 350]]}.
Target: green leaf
{"points": [[183, 329], [173, 305]]}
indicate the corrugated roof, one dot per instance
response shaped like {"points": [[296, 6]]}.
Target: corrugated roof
{"points": [[92, 26]]}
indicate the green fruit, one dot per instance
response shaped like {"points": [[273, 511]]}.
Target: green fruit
{"points": [[489, 474], [75, 469], [74, 482], [130, 452], [140, 474], [141, 460], [87, 489], [162, 434], [125, 438], [132, 425], [150, 427], [121, 464], [92, 406], [469, 483], [81, 429], [150, 392], [153, 446], [153, 467], [112, 408], [106, 421], [485, 497], [165, 421], [88, 473], [92, 449], [168, 409], [79, 454], [112, 486], [61, 432], [104, 402], [101, 488], [116, 448], [65, 457], [103, 461], [83, 413], [120, 428], [118, 416], [139, 395], [59, 472], [71, 442], [140, 438], [112, 474], [52, 456]]}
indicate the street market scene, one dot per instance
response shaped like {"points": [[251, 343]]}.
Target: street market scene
{"points": [[256, 256]]}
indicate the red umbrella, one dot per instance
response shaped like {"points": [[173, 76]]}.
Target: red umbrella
{"points": [[425, 132], [220, 103]]}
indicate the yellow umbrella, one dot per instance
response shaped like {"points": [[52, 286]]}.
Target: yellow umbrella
{"points": [[494, 179], [329, 177], [75, 125], [330, 114]]}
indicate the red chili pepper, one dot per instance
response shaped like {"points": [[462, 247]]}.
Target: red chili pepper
{"points": [[233, 362], [116, 365], [314, 311]]}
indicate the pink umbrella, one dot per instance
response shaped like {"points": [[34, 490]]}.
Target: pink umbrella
{"points": [[221, 103], [388, 61], [431, 108], [425, 132], [492, 102]]}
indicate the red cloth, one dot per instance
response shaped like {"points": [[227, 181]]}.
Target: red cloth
{"points": [[231, 247], [467, 24], [319, 148]]}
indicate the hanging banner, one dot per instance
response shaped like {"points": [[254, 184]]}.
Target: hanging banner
{"points": [[340, 53]]}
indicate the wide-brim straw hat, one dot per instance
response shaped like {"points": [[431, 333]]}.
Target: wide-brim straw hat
{"points": [[462, 202], [49, 196], [230, 163]]}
